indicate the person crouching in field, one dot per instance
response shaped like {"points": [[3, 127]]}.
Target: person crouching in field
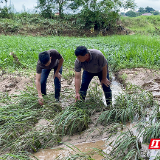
{"points": [[47, 61], [93, 63]]}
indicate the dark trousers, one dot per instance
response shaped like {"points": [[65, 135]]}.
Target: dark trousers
{"points": [[86, 78], [57, 83]]}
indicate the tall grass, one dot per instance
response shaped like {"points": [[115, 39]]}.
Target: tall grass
{"points": [[120, 51]]}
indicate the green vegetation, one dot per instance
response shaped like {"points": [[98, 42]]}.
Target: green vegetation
{"points": [[120, 51], [18, 119], [149, 25], [20, 135], [19, 114], [141, 11], [127, 106]]}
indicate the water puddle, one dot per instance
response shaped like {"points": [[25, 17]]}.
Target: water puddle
{"points": [[64, 151]]}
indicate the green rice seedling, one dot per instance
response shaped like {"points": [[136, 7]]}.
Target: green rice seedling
{"points": [[51, 107], [122, 113], [148, 131], [21, 115], [126, 146], [5, 98], [128, 105], [76, 117], [141, 97], [157, 157], [80, 156], [34, 140], [114, 128], [71, 120], [93, 102], [68, 74], [18, 156]]}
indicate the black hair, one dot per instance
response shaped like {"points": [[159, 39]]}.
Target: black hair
{"points": [[44, 57], [81, 51]]}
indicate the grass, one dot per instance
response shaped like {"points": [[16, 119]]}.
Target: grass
{"points": [[143, 24]]}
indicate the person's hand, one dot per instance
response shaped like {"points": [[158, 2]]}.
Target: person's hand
{"points": [[40, 101], [58, 75], [77, 97], [105, 82]]}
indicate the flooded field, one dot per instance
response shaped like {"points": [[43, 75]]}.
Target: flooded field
{"points": [[91, 142]]}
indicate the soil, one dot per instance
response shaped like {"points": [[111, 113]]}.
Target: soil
{"points": [[13, 84], [147, 79]]}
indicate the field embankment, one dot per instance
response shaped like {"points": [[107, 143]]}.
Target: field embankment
{"points": [[148, 25], [35, 25]]}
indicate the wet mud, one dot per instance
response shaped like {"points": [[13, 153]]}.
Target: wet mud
{"points": [[94, 136]]}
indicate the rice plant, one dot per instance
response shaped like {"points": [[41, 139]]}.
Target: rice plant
{"points": [[78, 154], [149, 131], [33, 140], [71, 120], [76, 117], [128, 105], [17, 156], [18, 120], [126, 146]]}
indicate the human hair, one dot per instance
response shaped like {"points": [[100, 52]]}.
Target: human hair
{"points": [[44, 57], [81, 51]]}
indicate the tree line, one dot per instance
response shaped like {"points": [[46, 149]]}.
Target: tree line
{"points": [[96, 14], [141, 11]]}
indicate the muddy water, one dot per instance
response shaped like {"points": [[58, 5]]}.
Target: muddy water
{"points": [[64, 151]]}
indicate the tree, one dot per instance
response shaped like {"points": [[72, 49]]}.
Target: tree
{"points": [[1, 1], [47, 6], [141, 10], [156, 13], [100, 13], [122, 13], [149, 9], [131, 14]]}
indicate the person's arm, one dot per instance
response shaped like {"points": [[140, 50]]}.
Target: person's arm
{"points": [[38, 87], [57, 74], [104, 80], [77, 84]]}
